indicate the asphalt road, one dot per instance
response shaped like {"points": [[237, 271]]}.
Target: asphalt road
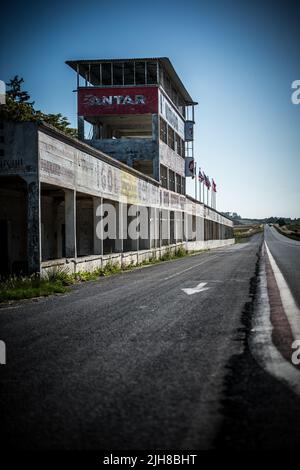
{"points": [[287, 256], [134, 362]]}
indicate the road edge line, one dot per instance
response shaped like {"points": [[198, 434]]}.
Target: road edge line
{"points": [[260, 340], [290, 307]]}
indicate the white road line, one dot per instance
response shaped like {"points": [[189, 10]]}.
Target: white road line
{"points": [[261, 344], [290, 307], [188, 269]]}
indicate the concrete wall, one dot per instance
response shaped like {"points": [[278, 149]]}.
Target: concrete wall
{"points": [[128, 150], [171, 159], [91, 263]]}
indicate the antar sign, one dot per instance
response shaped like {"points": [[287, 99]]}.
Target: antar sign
{"points": [[99, 101], [117, 99]]}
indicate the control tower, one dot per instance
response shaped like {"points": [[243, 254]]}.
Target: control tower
{"points": [[139, 112]]}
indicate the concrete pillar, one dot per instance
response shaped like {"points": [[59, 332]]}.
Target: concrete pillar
{"points": [[183, 227], [70, 223], [153, 228], [159, 228], [177, 226], [121, 228], [165, 226], [97, 242], [33, 226], [157, 224], [133, 242], [147, 228]]}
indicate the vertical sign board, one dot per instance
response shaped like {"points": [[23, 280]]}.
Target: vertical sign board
{"points": [[189, 131], [94, 101], [169, 114], [189, 167]]}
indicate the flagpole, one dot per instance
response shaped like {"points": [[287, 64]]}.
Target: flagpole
{"points": [[195, 176]]}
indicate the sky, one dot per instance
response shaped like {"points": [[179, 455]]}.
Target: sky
{"points": [[237, 60]]}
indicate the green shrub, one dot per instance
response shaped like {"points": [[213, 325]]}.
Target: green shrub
{"points": [[57, 279], [180, 252], [26, 287], [61, 274]]}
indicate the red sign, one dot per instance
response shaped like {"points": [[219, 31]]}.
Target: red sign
{"points": [[94, 101]]}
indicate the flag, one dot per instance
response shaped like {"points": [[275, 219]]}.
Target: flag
{"points": [[200, 176], [206, 181], [214, 186]]}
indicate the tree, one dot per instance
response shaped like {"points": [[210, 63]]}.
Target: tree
{"points": [[19, 108], [60, 122], [15, 92], [280, 222]]}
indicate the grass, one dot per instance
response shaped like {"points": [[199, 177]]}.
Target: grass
{"points": [[26, 287], [293, 233], [242, 234], [242, 239], [58, 280]]}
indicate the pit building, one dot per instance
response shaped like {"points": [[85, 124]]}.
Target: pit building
{"points": [[135, 134]]}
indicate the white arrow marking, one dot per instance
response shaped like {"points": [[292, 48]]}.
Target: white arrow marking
{"points": [[195, 290]]}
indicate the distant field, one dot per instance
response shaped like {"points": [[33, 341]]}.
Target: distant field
{"points": [[291, 230], [243, 232]]}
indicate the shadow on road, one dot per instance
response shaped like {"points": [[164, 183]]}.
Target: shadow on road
{"points": [[259, 412]]}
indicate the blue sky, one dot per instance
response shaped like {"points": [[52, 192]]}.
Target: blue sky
{"points": [[238, 61]]}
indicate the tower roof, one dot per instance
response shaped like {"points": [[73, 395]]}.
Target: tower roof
{"points": [[163, 61]]}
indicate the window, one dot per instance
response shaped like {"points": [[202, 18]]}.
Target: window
{"points": [[163, 176], [1, 152], [129, 73], [163, 131], [182, 149], [171, 180], [140, 73], [167, 84], [95, 74], [106, 73], [182, 110], [178, 144], [174, 95], [118, 73], [84, 71], [151, 73], [144, 166], [182, 185], [161, 77], [178, 184], [171, 138]]}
